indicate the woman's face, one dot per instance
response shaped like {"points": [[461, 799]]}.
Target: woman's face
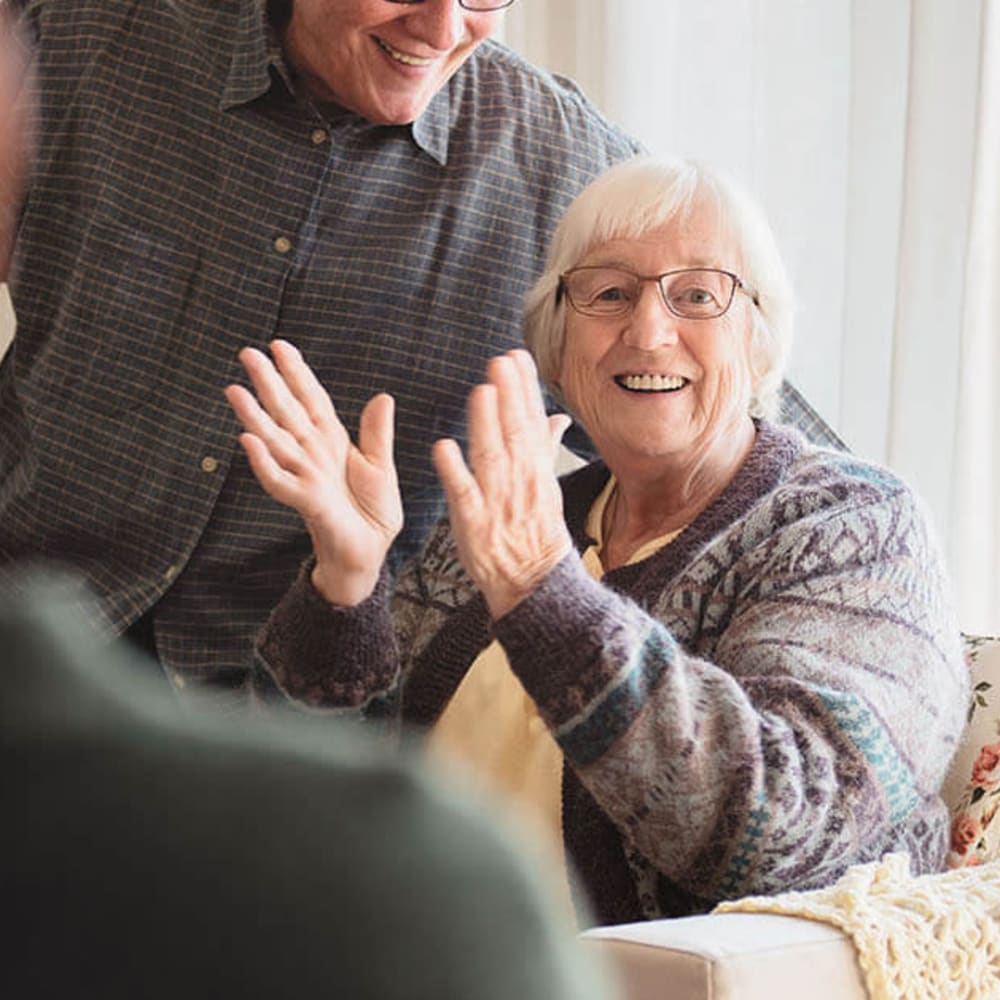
{"points": [[701, 372]]}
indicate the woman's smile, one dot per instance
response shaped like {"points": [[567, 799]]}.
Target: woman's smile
{"points": [[650, 383]]}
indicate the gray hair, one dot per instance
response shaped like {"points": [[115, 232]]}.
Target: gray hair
{"points": [[644, 193]]}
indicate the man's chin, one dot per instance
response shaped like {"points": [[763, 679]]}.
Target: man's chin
{"points": [[398, 112]]}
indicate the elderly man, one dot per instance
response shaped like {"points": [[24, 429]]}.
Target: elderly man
{"points": [[375, 181], [153, 851]]}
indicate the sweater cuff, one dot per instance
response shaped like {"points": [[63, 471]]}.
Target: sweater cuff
{"points": [[304, 632], [588, 657], [558, 639]]}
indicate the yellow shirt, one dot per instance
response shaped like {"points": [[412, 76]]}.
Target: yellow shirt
{"points": [[493, 729]]}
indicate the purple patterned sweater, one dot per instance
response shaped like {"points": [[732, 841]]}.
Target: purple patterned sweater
{"points": [[770, 698]]}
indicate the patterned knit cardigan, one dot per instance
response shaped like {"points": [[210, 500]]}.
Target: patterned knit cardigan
{"points": [[770, 698]]}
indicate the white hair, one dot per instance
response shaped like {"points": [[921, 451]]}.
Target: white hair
{"points": [[645, 193]]}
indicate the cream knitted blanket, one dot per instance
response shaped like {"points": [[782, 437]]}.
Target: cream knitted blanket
{"points": [[931, 937]]}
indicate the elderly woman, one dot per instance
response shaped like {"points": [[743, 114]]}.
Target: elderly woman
{"points": [[719, 661]]}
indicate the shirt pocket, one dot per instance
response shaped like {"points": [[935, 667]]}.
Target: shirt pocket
{"points": [[116, 341]]}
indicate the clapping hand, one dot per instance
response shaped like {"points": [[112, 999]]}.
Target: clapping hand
{"points": [[505, 504], [300, 452]]}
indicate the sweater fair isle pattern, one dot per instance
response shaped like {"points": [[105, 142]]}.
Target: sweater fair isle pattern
{"points": [[771, 698]]}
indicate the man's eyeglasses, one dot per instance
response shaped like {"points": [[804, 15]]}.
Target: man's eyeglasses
{"points": [[475, 5], [690, 292]]}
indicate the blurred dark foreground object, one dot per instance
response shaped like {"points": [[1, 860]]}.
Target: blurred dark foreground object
{"points": [[152, 849]]}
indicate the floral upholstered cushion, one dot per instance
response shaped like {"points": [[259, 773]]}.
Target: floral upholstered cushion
{"points": [[972, 787]]}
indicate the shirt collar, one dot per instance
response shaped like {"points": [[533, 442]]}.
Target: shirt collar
{"points": [[256, 56], [255, 51], [595, 518], [430, 130], [595, 529]]}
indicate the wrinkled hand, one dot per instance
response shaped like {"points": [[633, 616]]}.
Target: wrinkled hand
{"points": [[506, 505], [302, 455]]}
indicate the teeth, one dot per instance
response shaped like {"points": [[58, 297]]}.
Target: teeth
{"points": [[402, 56], [652, 383]]}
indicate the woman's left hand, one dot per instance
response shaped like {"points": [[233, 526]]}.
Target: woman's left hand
{"points": [[506, 505]]}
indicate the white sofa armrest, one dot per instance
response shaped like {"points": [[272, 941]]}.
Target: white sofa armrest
{"points": [[731, 956]]}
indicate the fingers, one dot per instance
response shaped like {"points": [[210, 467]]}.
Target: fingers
{"points": [[451, 468], [273, 454], [461, 490], [375, 430], [488, 456], [521, 408], [276, 481], [348, 497], [559, 423], [534, 404], [246, 408], [283, 446], [505, 504], [292, 412], [512, 443], [274, 392], [507, 421], [529, 380], [302, 382]]}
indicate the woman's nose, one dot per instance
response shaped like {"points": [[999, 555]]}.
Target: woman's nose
{"points": [[651, 324]]}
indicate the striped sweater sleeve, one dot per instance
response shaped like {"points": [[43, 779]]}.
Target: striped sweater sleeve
{"points": [[785, 708]]}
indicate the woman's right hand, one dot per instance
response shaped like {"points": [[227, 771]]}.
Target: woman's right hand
{"points": [[300, 452]]}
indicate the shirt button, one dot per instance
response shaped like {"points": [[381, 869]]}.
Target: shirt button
{"points": [[179, 682], [282, 244], [170, 572], [319, 136], [209, 464]]}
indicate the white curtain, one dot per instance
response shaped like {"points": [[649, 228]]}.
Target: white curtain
{"points": [[976, 469], [868, 129]]}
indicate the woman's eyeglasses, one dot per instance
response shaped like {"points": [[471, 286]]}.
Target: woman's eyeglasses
{"points": [[690, 292]]}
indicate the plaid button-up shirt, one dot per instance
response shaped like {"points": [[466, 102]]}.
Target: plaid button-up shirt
{"points": [[185, 204]]}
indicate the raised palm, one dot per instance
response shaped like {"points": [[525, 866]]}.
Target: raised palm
{"points": [[347, 494]]}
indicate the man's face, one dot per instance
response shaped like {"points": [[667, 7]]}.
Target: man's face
{"points": [[384, 61]]}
